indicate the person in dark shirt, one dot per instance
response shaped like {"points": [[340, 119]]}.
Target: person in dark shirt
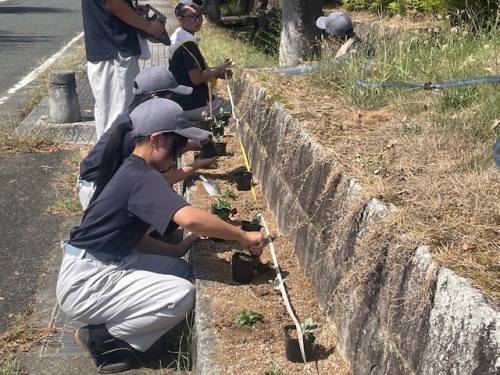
{"points": [[112, 49], [151, 82], [131, 289], [187, 64], [339, 30]]}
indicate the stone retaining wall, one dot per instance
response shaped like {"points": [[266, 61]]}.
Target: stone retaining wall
{"points": [[394, 313]]}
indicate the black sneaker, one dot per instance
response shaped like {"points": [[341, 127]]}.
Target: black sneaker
{"points": [[107, 352]]}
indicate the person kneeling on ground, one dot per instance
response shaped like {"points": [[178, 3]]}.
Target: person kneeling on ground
{"points": [[339, 30], [131, 289], [189, 67], [150, 83]]}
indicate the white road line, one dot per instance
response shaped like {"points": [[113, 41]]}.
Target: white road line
{"points": [[35, 73]]}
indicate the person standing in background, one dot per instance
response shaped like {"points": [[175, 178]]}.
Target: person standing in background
{"points": [[112, 50]]}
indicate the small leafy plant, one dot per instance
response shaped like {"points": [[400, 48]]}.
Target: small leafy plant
{"points": [[205, 116], [248, 204], [275, 370], [276, 283], [222, 203], [218, 138], [248, 317], [309, 327], [228, 192], [257, 219], [218, 124]]}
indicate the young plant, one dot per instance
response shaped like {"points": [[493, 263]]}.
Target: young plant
{"points": [[247, 205], [257, 219], [205, 116], [248, 317], [276, 283], [309, 327], [218, 138], [222, 203], [218, 124], [229, 192], [274, 370]]}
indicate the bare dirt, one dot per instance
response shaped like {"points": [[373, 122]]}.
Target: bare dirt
{"points": [[252, 349]]}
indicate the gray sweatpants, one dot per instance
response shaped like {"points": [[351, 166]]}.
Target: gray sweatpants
{"points": [[140, 298]]}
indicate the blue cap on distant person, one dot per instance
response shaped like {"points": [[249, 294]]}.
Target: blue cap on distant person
{"points": [[192, 3], [336, 24], [163, 115], [155, 79]]}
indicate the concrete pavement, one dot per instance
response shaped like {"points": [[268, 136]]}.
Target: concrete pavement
{"points": [[28, 190]]}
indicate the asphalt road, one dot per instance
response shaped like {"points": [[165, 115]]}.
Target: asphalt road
{"points": [[29, 233], [32, 31]]}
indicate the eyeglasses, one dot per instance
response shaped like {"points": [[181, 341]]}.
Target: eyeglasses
{"points": [[194, 17]]}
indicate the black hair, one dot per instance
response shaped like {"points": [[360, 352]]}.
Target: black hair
{"points": [[179, 9], [138, 99], [112, 157]]}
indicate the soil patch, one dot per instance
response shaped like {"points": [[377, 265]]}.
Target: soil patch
{"points": [[242, 349]]}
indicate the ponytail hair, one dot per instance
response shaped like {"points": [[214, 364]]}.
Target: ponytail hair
{"points": [[112, 158]]}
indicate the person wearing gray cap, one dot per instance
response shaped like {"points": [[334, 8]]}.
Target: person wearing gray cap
{"points": [[151, 82], [339, 29], [131, 289]]}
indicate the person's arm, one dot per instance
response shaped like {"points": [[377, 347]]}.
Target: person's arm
{"points": [[198, 77], [149, 245], [206, 224], [123, 11], [175, 175]]}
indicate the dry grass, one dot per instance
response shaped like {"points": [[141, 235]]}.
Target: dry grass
{"points": [[427, 152]]}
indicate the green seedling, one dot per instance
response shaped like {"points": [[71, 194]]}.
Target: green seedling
{"points": [[275, 370], [222, 203], [309, 327], [248, 204], [229, 192], [276, 283], [218, 138], [248, 317]]}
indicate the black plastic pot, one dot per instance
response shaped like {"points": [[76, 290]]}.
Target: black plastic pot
{"points": [[223, 213], [208, 150], [248, 226], [217, 130], [243, 180], [206, 124], [292, 348], [242, 267], [221, 148]]}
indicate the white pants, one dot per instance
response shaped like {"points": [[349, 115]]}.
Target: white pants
{"points": [[112, 82], [85, 190], [217, 104], [140, 297]]}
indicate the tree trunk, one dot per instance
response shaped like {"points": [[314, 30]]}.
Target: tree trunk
{"points": [[298, 31], [211, 9]]}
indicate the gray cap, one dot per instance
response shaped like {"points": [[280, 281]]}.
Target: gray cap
{"points": [[192, 3], [336, 24], [155, 79], [496, 153], [163, 115]]}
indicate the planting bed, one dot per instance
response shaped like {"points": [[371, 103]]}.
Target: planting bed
{"points": [[241, 349]]}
